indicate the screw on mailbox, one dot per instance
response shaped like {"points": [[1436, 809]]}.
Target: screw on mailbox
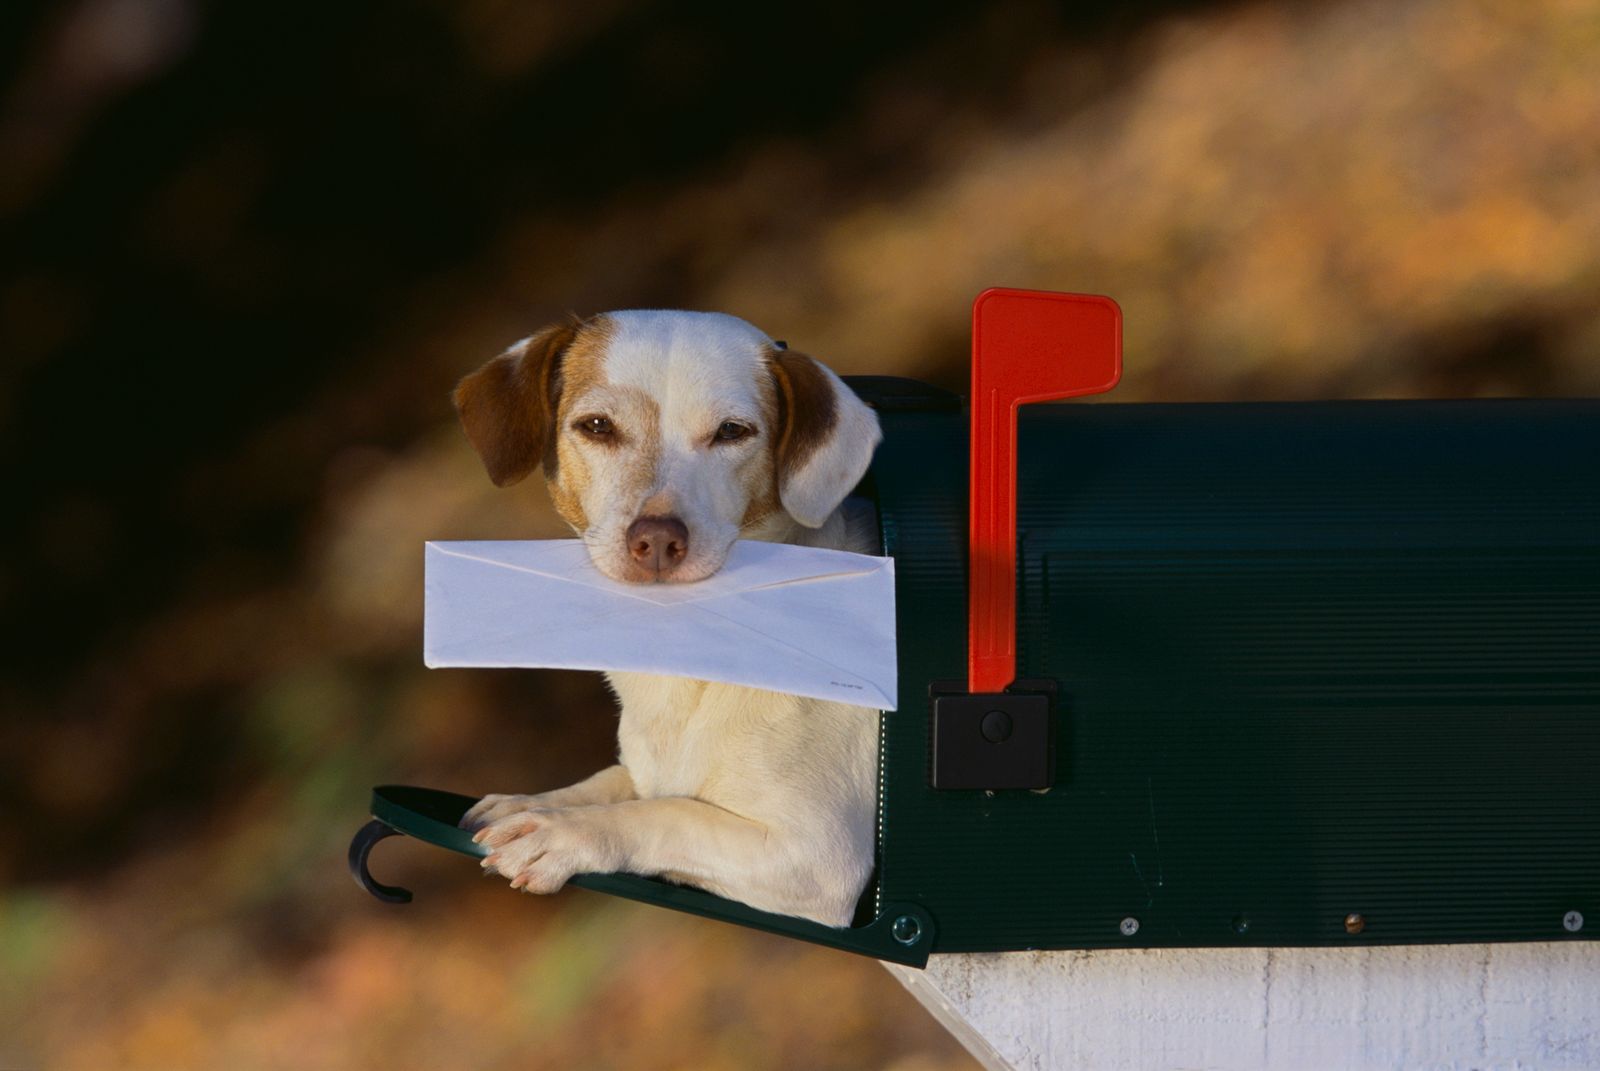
{"points": [[1572, 921], [996, 726], [1129, 926], [906, 929], [1354, 923]]}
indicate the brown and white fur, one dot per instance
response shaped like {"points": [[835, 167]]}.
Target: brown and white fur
{"points": [[664, 436]]}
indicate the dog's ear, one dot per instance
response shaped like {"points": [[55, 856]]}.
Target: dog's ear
{"points": [[825, 439], [508, 406]]}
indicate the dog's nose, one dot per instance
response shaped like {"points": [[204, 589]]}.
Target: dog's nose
{"points": [[658, 543]]}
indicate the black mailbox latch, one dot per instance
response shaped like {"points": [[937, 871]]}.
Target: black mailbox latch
{"points": [[994, 741]]}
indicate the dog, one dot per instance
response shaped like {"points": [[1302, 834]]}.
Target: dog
{"points": [[663, 437]]}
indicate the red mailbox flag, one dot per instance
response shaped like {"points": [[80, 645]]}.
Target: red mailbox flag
{"points": [[1027, 346]]}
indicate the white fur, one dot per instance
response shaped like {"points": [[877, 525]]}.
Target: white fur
{"points": [[758, 796]]}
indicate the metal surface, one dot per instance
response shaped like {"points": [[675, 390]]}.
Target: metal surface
{"points": [[898, 933], [1316, 661], [993, 742], [360, 847], [1027, 346]]}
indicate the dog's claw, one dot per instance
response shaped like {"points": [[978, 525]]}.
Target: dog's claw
{"points": [[499, 833]]}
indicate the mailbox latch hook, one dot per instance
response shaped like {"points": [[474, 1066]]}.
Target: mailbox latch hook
{"points": [[360, 846]]}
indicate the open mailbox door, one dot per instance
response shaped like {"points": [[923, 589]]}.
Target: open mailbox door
{"points": [[899, 933]]}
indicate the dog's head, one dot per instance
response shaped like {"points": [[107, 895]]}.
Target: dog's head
{"points": [[665, 436]]}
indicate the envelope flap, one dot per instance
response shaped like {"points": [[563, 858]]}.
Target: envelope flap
{"points": [[750, 566], [563, 560], [754, 566]]}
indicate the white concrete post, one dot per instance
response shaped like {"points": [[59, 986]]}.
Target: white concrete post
{"points": [[1480, 1007]]}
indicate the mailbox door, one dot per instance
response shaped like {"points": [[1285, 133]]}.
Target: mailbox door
{"points": [[1327, 673]]}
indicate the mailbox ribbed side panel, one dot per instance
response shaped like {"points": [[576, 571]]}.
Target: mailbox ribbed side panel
{"points": [[1316, 661]]}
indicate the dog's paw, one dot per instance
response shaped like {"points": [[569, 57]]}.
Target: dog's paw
{"points": [[496, 806], [540, 850]]}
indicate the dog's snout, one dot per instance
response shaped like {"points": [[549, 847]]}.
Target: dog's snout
{"points": [[658, 544]]}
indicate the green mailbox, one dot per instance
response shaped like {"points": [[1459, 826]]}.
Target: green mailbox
{"points": [[1285, 674]]}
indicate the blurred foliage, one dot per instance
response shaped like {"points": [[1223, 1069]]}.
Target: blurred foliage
{"points": [[246, 249]]}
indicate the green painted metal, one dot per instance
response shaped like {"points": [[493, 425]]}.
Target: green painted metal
{"points": [[1317, 660], [897, 933]]}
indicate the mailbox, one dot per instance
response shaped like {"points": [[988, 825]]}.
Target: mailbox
{"points": [[1285, 674]]}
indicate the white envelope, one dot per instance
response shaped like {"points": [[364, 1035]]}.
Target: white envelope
{"points": [[811, 622]]}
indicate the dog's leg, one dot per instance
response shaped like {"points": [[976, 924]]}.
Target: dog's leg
{"points": [[611, 785], [682, 839]]}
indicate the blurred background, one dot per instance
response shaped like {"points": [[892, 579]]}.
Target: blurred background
{"points": [[246, 250]]}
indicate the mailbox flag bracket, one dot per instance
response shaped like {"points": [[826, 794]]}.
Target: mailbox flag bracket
{"points": [[1027, 346]]}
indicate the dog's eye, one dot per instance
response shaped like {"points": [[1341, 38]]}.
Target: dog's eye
{"points": [[596, 427], [732, 431]]}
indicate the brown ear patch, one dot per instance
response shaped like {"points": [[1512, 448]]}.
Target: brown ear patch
{"points": [[807, 409], [508, 406]]}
